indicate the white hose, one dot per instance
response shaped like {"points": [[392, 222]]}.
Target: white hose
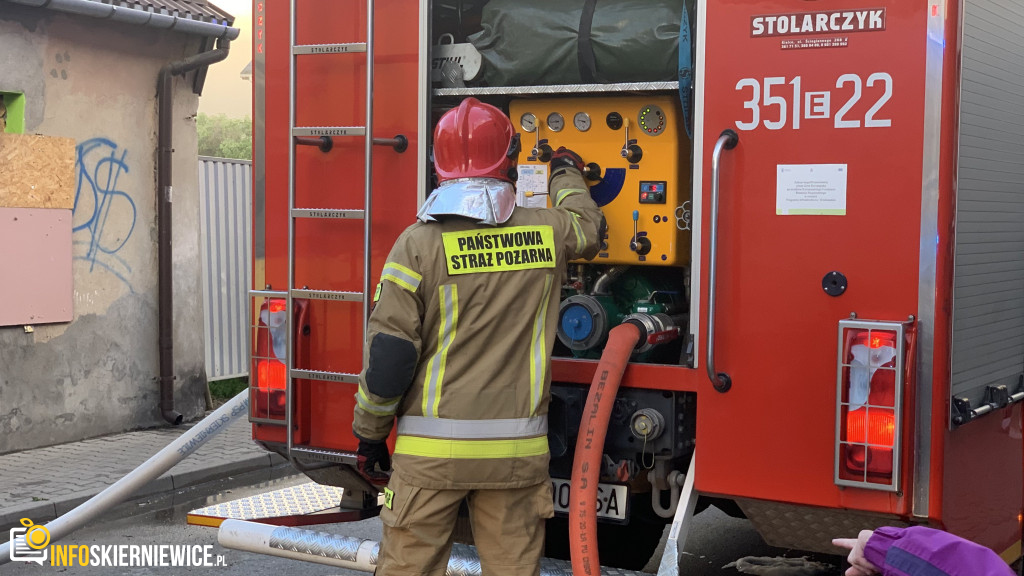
{"points": [[297, 544], [355, 553], [151, 469]]}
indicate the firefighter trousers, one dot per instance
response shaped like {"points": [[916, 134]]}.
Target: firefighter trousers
{"points": [[508, 529]]}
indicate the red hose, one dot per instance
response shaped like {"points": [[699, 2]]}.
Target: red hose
{"points": [[586, 468]]}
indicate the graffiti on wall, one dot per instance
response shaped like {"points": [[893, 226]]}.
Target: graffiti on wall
{"points": [[104, 214]]}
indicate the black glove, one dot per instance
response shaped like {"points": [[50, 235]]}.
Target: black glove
{"points": [[565, 157], [372, 455]]}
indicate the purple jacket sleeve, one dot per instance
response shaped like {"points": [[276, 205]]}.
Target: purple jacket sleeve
{"points": [[920, 551]]}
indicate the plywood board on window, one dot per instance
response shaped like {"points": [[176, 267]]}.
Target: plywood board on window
{"points": [[36, 283], [36, 171]]}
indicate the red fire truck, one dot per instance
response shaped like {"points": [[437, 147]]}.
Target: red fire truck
{"points": [[816, 218]]}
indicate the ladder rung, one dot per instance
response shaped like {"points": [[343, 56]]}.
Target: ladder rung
{"points": [[330, 48], [328, 295], [325, 376], [329, 131], [322, 454], [327, 213]]}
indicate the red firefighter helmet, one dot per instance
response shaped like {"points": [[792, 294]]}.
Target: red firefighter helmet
{"points": [[475, 140]]}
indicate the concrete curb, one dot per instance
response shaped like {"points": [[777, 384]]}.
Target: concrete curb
{"points": [[37, 511], [201, 475], [46, 510]]}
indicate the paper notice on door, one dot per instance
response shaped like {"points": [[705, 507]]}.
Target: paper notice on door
{"points": [[803, 189], [532, 186]]}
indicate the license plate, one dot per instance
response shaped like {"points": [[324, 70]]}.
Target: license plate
{"points": [[612, 499]]}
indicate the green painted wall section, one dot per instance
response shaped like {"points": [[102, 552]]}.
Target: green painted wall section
{"points": [[15, 105]]}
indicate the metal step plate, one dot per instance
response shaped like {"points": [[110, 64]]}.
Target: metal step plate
{"points": [[551, 567], [340, 550], [330, 213], [302, 505], [324, 376], [329, 131], [558, 89], [323, 455], [328, 295], [343, 48], [810, 528]]}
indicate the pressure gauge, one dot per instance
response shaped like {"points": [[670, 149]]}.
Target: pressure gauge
{"points": [[556, 122], [528, 121], [581, 121]]}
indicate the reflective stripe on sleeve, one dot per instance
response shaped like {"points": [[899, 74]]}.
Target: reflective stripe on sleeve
{"points": [[467, 429], [471, 449], [375, 408], [448, 295], [565, 193], [539, 348], [402, 276], [581, 238]]}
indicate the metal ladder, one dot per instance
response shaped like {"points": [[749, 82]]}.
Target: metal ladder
{"points": [[294, 213]]}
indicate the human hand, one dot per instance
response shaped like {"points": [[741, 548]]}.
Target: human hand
{"points": [[370, 456], [859, 565], [565, 157]]}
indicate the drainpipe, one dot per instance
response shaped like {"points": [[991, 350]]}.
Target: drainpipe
{"points": [[164, 178]]}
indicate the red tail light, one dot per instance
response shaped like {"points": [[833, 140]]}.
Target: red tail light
{"points": [[270, 385], [268, 396], [879, 340], [871, 437], [270, 374], [869, 404], [877, 428]]}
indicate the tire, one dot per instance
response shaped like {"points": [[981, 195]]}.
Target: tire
{"points": [[628, 546]]}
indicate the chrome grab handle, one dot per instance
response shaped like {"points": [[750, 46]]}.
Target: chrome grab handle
{"points": [[726, 141]]}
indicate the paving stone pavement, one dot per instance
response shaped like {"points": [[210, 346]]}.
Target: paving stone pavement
{"points": [[44, 483]]}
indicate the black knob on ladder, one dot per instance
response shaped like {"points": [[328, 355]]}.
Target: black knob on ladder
{"points": [[324, 143], [400, 143]]}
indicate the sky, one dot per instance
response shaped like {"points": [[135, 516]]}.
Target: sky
{"points": [[225, 91]]}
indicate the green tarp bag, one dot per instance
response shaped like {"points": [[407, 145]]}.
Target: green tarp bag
{"points": [[539, 42]]}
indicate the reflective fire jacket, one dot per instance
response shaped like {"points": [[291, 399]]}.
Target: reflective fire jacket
{"points": [[459, 342]]}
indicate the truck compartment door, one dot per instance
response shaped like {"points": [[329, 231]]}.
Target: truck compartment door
{"points": [[819, 219]]}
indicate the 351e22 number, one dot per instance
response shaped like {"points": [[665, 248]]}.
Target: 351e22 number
{"points": [[811, 105]]}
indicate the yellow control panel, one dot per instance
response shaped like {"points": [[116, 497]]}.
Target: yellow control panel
{"points": [[637, 158]]}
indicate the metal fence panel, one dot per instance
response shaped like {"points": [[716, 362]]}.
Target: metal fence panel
{"points": [[225, 194]]}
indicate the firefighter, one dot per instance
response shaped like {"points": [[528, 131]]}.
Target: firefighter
{"points": [[458, 348]]}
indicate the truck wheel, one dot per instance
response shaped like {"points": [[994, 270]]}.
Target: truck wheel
{"points": [[627, 546]]}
